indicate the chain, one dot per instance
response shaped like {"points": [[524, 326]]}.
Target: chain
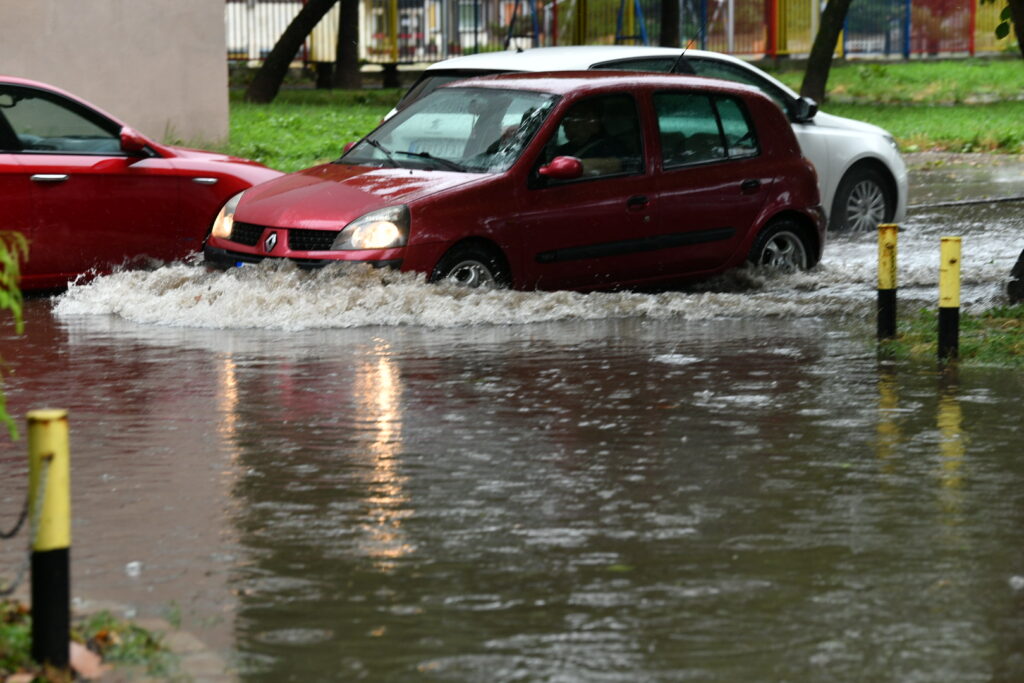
{"points": [[9, 589]]}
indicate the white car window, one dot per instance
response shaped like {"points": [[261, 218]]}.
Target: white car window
{"points": [[738, 74]]}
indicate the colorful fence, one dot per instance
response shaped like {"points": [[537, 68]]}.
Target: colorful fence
{"points": [[408, 31]]}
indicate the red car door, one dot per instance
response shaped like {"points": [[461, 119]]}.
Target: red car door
{"points": [[594, 230], [15, 195], [714, 180], [92, 203]]}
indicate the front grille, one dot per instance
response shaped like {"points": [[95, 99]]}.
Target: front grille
{"points": [[246, 233], [311, 240]]}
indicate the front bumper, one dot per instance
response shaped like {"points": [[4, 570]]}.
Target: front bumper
{"points": [[223, 259]]}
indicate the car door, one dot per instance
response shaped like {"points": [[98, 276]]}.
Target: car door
{"points": [[15, 192], [592, 230], [812, 138], [714, 180], [93, 204]]}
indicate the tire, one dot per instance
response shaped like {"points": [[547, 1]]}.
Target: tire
{"points": [[472, 265], [863, 200], [781, 246]]}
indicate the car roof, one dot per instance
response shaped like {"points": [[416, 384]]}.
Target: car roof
{"points": [[563, 82], [575, 57]]}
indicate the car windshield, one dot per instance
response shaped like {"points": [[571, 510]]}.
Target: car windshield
{"points": [[473, 130]]}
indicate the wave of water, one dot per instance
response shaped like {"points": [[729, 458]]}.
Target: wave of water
{"points": [[276, 295]]}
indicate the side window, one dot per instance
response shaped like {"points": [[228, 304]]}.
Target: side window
{"points": [[45, 123], [652, 64], [695, 128], [737, 74], [603, 133], [688, 129], [739, 134]]}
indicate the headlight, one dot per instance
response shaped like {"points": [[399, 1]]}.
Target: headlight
{"points": [[892, 142], [381, 229], [225, 220]]}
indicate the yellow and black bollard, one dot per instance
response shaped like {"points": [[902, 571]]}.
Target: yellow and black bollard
{"points": [[949, 299], [887, 233], [50, 507]]}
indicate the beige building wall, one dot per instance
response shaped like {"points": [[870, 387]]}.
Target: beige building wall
{"points": [[158, 65]]}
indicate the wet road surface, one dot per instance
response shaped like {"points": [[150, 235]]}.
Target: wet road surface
{"points": [[350, 475]]}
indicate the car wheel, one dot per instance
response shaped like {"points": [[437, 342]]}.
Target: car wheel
{"points": [[781, 246], [862, 201], [474, 266]]}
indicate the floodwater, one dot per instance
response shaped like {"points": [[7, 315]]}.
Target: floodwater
{"points": [[349, 475]]}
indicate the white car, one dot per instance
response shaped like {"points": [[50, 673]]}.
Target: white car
{"points": [[861, 174]]}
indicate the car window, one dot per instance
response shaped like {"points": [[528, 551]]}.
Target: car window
{"points": [[652, 64], [44, 122], [432, 80], [696, 128], [603, 133], [477, 130], [738, 74]]}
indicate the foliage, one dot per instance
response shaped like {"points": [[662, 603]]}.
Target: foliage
{"points": [[114, 640], [1005, 19], [995, 337], [13, 249]]}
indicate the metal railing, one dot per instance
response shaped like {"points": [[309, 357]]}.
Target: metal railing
{"points": [[411, 31]]}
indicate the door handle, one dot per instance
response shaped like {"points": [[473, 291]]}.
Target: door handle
{"points": [[750, 186], [50, 177], [637, 201], [205, 181]]}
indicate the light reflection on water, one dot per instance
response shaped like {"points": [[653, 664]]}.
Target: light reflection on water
{"points": [[732, 488]]}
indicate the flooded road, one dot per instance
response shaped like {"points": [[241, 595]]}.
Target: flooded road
{"points": [[349, 475]]}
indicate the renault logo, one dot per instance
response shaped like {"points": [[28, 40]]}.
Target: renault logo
{"points": [[270, 242]]}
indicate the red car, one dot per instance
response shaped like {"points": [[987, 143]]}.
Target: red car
{"points": [[551, 181], [90, 193]]}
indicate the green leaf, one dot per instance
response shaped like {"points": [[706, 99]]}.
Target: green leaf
{"points": [[1003, 30], [1005, 14]]}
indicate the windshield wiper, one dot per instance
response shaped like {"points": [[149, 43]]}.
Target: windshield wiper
{"points": [[387, 152], [427, 155]]}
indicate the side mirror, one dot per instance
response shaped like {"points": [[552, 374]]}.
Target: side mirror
{"points": [[562, 168], [132, 141], [804, 109]]}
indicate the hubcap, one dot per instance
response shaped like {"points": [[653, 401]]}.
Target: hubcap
{"points": [[471, 273], [865, 207], [785, 251]]}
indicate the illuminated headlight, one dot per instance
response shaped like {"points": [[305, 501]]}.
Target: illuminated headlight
{"points": [[225, 220], [381, 229]]}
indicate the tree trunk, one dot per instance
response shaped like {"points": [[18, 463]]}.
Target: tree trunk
{"points": [[346, 71], [820, 60], [1017, 15], [267, 82], [670, 24]]}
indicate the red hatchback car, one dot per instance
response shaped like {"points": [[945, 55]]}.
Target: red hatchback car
{"points": [[90, 193], [550, 181]]}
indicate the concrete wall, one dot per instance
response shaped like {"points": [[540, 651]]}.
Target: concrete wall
{"points": [[158, 65]]}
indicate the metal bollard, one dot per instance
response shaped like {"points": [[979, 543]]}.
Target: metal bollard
{"points": [[949, 299], [49, 468], [887, 235]]}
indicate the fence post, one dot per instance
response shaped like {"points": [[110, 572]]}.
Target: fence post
{"points": [[49, 466], [887, 236], [949, 298]]}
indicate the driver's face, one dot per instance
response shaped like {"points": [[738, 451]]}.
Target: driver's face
{"points": [[581, 125]]}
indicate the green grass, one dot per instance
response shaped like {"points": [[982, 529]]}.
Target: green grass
{"points": [[118, 642], [302, 128], [995, 337], [969, 105], [922, 82]]}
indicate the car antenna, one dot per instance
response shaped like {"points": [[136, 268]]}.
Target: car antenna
{"points": [[682, 55]]}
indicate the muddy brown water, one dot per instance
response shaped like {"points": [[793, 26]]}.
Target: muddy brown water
{"points": [[345, 477]]}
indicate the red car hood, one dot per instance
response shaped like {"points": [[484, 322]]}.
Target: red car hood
{"points": [[202, 155], [330, 196]]}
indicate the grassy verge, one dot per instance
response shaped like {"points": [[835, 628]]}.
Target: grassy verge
{"points": [[995, 337], [969, 105], [302, 128], [116, 641]]}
